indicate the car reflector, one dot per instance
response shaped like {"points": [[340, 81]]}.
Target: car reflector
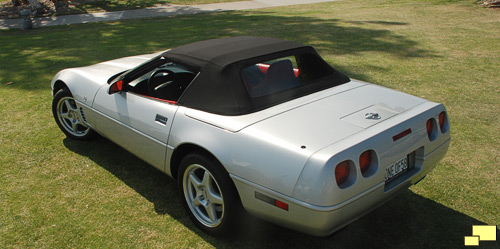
{"points": [[281, 205], [401, 135], [272, 201]]}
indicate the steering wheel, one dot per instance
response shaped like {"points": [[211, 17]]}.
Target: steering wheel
{"points": [[157, 83]]}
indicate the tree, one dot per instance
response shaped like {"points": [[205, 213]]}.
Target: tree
{"points": [[34, 4]]}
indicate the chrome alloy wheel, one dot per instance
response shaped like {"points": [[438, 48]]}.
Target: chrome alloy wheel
{"points": [[70, 117], [203, 195]]}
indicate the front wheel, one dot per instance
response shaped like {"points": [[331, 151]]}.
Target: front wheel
{"points": [[209, 195], [69, 117]]}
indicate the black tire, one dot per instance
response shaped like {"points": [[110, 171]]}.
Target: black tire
{"points": [[69, 117], [209, 195]]}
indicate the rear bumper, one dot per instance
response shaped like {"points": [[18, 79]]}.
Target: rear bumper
{"points": [[324, 220]]}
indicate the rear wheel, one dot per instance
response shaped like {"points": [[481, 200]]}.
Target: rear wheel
{"points": [[208, 194], [69, 117]]}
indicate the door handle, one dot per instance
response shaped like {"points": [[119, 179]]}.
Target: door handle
{"points": [[161, 119]]}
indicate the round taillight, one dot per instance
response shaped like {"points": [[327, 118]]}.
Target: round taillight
{"points": [[431, 129], [441, 119], [443, 124], [365, 160], [342, 171]]}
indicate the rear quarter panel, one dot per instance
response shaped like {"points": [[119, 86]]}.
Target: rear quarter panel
{"points": [[253, 157]]}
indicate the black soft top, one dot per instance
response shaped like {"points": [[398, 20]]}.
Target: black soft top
{"points": [[225, 51], [219, 88]]}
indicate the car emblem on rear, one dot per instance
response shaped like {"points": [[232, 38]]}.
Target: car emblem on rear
{"points": [[372, 115]]}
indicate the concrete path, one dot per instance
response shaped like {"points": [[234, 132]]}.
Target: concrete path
{"points": [[164, 10]]}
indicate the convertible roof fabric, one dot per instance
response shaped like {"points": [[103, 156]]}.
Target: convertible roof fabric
{"points": [[219, 88], [225, 51]]}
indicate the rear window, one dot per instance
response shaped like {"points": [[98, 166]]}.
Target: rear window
{"points": [[282, 74]]}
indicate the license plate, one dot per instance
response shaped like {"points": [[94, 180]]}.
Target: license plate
{"points": [[396, 169]]}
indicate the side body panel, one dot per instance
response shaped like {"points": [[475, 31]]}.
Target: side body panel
{"points": [[139, 124], [254, 157], [127, 119]]}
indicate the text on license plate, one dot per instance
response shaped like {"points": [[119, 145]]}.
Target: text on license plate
{"points": [[396, 169]]}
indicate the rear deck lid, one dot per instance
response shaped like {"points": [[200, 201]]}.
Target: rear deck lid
{"points": [[325, 121], [369, 116]]}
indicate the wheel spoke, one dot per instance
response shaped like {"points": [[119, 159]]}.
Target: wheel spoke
{"points": [[74, 126], [212, 213], [69, 105], [196, 201], [63, 115], [214, 197], [194, 180], [207, 179]]}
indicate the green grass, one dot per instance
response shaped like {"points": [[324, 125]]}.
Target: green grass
{"points": [[88, 6], [115, 5], [55, 192]]}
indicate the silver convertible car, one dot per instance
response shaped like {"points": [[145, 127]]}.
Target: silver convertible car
{"points": [[257, 124]]}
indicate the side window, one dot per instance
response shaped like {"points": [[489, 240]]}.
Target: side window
{"points": [[283, 74], [166, 82]]}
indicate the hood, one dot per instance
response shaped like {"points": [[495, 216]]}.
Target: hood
{"points": [[84, 82], [101, 72], [330, 119]]}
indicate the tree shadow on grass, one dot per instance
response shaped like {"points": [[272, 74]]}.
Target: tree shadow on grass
{"points": [[83, 6], [137, 174], [32, 58], [407, 221]]}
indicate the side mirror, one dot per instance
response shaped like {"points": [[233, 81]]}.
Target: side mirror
{"points": [[115, 87]]}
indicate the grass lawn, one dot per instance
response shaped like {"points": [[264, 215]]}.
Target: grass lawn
{"points": [[55, 192], [113, 5], [68, 7]]}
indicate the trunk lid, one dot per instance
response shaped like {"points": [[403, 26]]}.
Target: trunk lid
{"points": [[328, 120]]}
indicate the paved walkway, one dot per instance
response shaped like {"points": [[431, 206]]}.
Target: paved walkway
{"points": [[164, 10]]}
